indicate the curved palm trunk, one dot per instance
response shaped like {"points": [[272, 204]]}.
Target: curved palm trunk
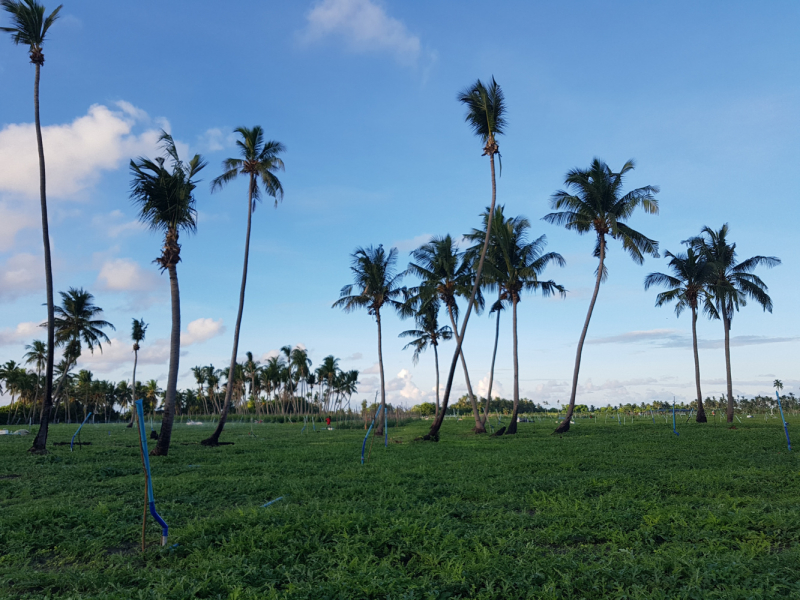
{"points": [[379, 424], [479, 427], [727, 324], [437, 423], [133, 387], [40, 441], [214, 439], [168, 416], [436, 358], [512, 426], [491, 371], [564, 426], [701, 413]]}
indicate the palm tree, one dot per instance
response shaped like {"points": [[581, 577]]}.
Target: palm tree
{"points": [[691, 274], [519, 263], [731, 285], [138, 329], [37, 355], [151, 394], [77, 322], [11, 375], [200, 378], [486, 116], [598, 206], [445, 274], [376, 285], [165, 199], [251, 368], [428, 334], [29, 28], [85, 383], [259, 161], [326, 372]]}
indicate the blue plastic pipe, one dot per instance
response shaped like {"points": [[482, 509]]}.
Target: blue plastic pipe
{"points": [[146, 456], [385, 428], [785, 426], [84, 423], [364, 445], [674, 430]]}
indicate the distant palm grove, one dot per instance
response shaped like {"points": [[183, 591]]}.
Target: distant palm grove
{"points": [[497, 269]]}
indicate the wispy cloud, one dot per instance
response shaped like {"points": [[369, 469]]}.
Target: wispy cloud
{"points": [[413, 243], [364, 26], [673, 338]]}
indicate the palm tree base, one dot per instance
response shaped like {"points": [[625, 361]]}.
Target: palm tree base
{"points": [[563, 428], [479, 429], [38, 451], [701, 418]]}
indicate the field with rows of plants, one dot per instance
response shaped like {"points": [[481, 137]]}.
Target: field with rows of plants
{"points": [[605, 511]]}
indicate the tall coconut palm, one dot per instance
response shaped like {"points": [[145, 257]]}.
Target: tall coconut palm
{"points": [[138, 329], [77, 323], [446, 274], [36, 355], [594, 203], [731, 285], [164, 195], [251, 367], [200, 377], [259, 162], [376, 284], [518, 265], [29, 28], [486, 116], [691, 273]]}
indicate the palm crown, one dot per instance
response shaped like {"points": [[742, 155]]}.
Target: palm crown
{"points": [[598, 205], [138, 329], [259, 160], [428, 333], [485, 112], [376, 281], [691, 274], [30, 26], [77, 321]]}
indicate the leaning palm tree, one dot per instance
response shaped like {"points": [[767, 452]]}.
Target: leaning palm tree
{"points": [[77, 323], [731, 285], [519, 263], [138, 329], [486, 116], [428, 334], [259, 162], [29, 28], [377, 284], [37, 355], [165, 198], [598, 206], [691, 274], [446, 273]]}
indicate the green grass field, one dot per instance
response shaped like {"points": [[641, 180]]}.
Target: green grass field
{"points": [[606, 511]]}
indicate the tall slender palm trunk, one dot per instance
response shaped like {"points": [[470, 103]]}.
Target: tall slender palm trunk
{"points": [[479, 426], [379, 424], [40, 441], [436, 359], [726, 321], [564, 426], [491, 370], [223, 417], [512, 426], [437, 422], [701, 413], [168, 415]]}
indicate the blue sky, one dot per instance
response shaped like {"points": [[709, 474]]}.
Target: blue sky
{"points": [[704, 96]]}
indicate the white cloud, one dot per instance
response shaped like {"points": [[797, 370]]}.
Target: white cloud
{"points": [[364, 26], [24, 332], [13, 221], [201, 330], [124, 275], [483, 387], [22, 274], [673, 338], [115, 224], [373, 370], [76, 153], [355, 356], [413, 243], [214, 140]]}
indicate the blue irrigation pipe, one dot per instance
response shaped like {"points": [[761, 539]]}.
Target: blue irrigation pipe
{"points": [[84, 423], [364, 445], [785, 426], [146, 458], [305, 424], [385, 428], [272, 502], [674, 430]]}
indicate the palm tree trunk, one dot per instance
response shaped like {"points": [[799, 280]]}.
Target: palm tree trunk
{"points": [[512, 426], [701, 413], [564, 426], [379, 424], [436, 358], [40, 441], [726, 321], [214, 439], [479, 427], [491, 371], [168, 415], [437, 422]]}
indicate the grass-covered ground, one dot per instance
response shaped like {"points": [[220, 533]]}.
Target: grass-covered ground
{"points": [[606, 511]]}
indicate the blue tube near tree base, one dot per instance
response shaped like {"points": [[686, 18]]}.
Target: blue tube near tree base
{"points": [[674, 429], [146, 456], [364, 445], [79, 430], [785, 426]]}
